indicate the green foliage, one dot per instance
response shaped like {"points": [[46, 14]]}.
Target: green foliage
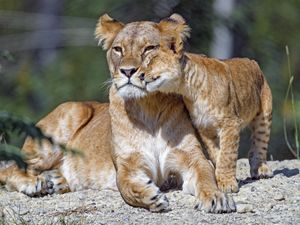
{"points": [[290, 93], [262, 29], [9, 124], [78, 68], [10, 152]]}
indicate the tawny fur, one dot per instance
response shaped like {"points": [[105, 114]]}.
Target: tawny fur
{"points": [[222, 97], [82, 126], [153, 139]]}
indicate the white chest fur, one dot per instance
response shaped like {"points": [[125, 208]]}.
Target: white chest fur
{"points": [[154, 150]]}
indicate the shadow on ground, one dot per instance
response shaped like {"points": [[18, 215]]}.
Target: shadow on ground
{"points": [[285, 172]]}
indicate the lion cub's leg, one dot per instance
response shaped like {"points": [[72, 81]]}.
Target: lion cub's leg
{"points": [[136, 186], [211, 146], [227, 158], [199, 180], [261, 126]]}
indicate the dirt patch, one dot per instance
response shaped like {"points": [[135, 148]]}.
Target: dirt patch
{"points": [[270, 201]]}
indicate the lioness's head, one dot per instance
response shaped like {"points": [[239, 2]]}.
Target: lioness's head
{"points": [[133, 47]]}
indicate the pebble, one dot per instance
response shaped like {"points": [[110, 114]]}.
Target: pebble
{"points": [[244, 208], [268, 207], [279, 197], [253, 189]]}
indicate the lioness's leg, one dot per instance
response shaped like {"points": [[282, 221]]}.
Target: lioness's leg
{"points": [[29, 184], [261, 126], [48, 182], [60, 124], [59, 182], [199, 180], [136, 186], [227, 158]]}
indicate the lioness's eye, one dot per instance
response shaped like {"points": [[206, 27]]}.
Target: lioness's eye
{"points": [[117, 49], [149, 48]]}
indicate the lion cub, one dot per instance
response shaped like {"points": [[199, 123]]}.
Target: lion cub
{"points": [[222, 97]]}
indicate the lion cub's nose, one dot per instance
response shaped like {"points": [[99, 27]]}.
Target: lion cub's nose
{"points": [[142, 76], [128, 72]]}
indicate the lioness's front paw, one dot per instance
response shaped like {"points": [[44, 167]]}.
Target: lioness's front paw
{"points": [[263, 171], [39, 187], [60, 184], [217, 202], [227, 184], [159, 203]]}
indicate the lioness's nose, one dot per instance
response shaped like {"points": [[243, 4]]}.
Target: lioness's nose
{"points": [[128, 72]]}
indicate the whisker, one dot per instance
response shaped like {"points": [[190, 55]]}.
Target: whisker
{"points": [[106, 84]]}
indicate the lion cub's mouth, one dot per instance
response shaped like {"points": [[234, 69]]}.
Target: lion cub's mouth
{"points": [[154, 84]]}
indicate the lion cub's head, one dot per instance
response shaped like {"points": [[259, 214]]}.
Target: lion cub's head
{"points": [[136, 48]]}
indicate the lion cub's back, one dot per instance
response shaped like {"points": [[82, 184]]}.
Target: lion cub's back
{"points": [[245, 71], [248, 81]]}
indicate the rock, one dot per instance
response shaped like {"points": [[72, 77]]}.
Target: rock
{"points": [[279, 197], [244, 208]]}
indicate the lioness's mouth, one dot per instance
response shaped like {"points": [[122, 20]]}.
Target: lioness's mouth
{"points": [[130, 85]]}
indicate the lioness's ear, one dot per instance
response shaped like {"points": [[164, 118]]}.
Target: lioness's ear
{"points": [[106, 30], [174, 31]]}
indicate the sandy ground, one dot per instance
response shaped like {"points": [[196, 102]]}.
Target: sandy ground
{"points": [[270, 201]]}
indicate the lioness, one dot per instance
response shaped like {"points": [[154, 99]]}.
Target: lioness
{"points": [[79, 125], [222, 97], [153, 140], [152, 136]]}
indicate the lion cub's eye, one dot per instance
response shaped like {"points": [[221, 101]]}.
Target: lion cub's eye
{"points": [[117, 49], [149, 48]]}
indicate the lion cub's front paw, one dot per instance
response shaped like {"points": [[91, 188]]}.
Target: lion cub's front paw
{"points": [[217, 202], [263, 171], [227, 184], [159, 203]]}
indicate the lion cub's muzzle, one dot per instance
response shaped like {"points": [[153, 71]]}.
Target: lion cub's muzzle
{"points": [[151, 83]]}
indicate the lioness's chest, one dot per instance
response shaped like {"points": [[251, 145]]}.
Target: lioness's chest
{"points": [[154, 145], [156, 150]]}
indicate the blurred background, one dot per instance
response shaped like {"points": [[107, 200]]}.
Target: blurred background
{"points": [[48, 54]]}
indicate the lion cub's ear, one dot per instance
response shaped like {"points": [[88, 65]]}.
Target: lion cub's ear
{"points": [[106, 30], [174, 31]]}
